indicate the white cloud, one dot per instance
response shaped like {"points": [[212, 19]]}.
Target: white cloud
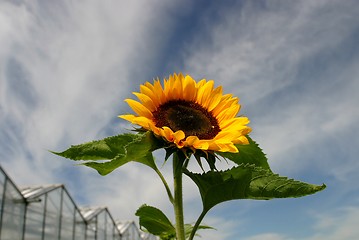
{"points": [[223, 228], [338, 224], [260, 54], [66, 68], [267, 236], [73, 61], [341, 223], [295, 69]]}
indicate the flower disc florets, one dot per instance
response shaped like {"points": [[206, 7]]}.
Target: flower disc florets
{"points": [[190, 117], [190, 114]]}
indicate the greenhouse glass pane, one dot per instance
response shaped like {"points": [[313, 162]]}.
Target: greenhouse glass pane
{"points": [[80, 227], [116, 235], [67, 218], [135, 235], [126, 235], [101, 224], [2, 184], [109, 228], [91, 232], [52, 219], [91, 229], [34, 218], [12, 213]]}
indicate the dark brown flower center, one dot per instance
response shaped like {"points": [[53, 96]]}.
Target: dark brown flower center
{"points": [[187, 116]]}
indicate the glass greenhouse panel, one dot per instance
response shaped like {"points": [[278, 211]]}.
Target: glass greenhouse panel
{"points": [[91, 229], [52, 214], [49, 213], [80, 227], [68, 217], [35, 219], [2, 187], [12, 211], [112, 233], [101, 225], [131, 233]]}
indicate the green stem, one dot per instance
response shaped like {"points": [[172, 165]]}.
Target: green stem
{"points": [[178, 197], [168, 190], [196, 225]]}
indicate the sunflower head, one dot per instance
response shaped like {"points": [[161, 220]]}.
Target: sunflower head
{"points": [[190, 115]]}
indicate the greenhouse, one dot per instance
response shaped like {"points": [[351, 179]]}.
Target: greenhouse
{"points": [[49, 212]]}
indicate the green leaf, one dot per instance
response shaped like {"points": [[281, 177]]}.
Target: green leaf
{"points": [[189, 227], [118, 150], [247, 182], [156, 222], [105, 168], [248, 154]]}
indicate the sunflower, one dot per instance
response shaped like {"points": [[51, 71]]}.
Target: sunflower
{"points": [[189, 114]]}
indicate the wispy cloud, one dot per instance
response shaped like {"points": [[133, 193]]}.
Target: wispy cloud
{"points": [[342, 224], [295, 68], [66, 68], [292, 66], [267, 236]]}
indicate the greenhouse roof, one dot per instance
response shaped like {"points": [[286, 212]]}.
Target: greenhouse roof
{"points": [[90, 212], [36, 191], [124, 225], [50, 210]]}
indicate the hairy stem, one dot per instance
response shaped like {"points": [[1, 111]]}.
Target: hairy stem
{"points": [[178, 161]]}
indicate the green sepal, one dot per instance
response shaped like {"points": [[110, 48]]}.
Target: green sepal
{"points": [[116, 151], [170, 151], [155, 222], [209, 156], [247, 154], [247, 182]]}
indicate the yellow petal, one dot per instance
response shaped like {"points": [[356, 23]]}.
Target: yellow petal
{"points": [[191, 140], [139, 108], [178, 137], [204, 93], [146, 101], [189, 89], [215, 99], [226, 136], [128, 117], [167, 133], [177, 87], [201, 144], [151, 94], [225, 103], [241, 140], [143, 121], [233, 122], [168, 88], [230, 112], [201, 83], [159, 92], [229, 147]]}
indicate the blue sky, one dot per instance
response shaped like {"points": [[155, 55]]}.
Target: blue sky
{"points": [[66, 67]]}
